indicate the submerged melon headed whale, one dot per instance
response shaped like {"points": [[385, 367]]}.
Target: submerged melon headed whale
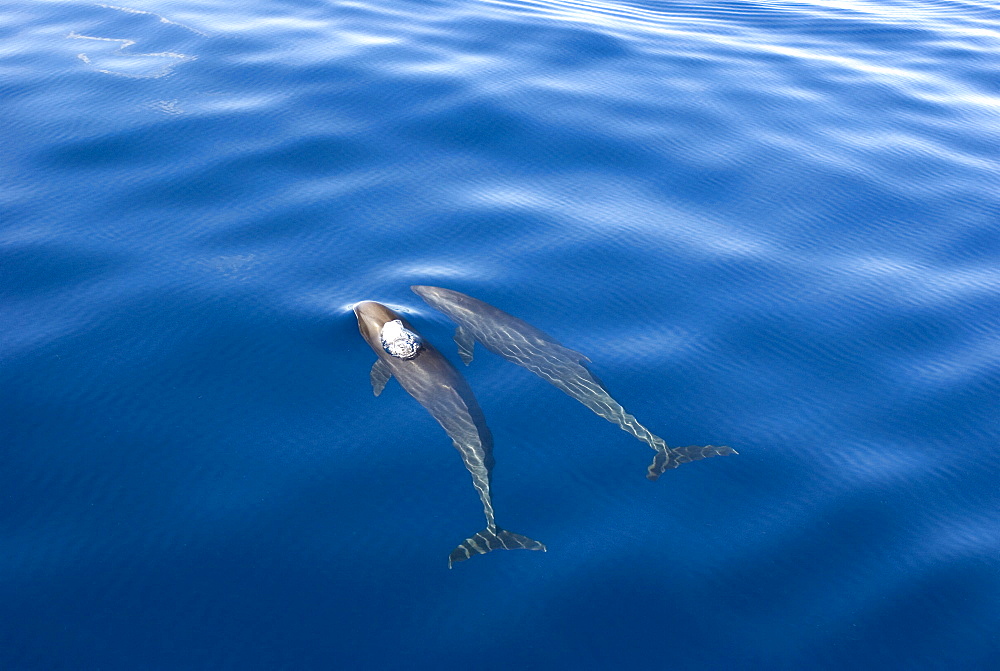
{"points": [[523, 344], [440, 388]]}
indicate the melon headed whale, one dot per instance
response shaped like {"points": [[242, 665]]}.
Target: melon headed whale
{"points": [[429, 378], [521, 343]]}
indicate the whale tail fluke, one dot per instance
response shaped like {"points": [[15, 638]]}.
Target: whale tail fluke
{"points": [[489, 539], [672, 457]]}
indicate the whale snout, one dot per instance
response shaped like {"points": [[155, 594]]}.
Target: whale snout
{"points": [[366, 307], [424, 291], [436, 296]]}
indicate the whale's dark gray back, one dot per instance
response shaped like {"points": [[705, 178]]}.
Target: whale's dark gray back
{"points": [[438, 386]]}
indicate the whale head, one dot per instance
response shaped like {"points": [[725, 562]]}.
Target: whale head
{"points": [[382, 327]]}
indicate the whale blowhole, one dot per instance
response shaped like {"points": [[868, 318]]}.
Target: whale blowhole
{"points": [[399, 341]]}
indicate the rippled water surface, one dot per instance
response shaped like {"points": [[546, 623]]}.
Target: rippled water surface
{"points": [[771, 225]]}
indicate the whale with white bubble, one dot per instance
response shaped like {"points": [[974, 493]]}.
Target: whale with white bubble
{"points": [[428, 377]]}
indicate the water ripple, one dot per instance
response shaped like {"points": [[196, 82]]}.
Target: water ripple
{"points": [[769, 224]]}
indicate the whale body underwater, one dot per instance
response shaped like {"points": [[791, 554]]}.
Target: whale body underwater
{"points": [[521, 343], [438, 386]]}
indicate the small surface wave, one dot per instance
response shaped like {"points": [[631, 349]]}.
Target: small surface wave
{"points": [[769, 225]]}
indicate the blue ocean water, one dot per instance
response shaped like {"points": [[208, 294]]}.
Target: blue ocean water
{"points": [[771, 225]]}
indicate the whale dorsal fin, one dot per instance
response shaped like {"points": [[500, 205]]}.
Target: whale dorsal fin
{"points": [[466, 342], [380, 375]]}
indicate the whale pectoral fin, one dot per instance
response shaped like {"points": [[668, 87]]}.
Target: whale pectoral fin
{"points": [[466, 342], [380, 375]]}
